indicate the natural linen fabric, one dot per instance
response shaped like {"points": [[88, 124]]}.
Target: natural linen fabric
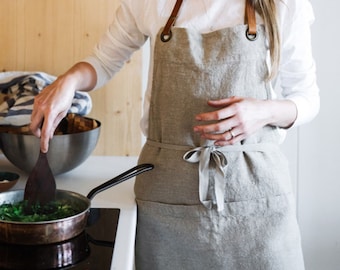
{"points": [[256, 229]]}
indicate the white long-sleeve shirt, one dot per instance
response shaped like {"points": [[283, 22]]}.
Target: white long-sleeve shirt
{"points": [[139, 20]]}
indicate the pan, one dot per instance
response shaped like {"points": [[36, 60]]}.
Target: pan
{"points": [[54, 231]]}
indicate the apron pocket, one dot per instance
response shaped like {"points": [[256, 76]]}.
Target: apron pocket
{"points": [[244, 235]]}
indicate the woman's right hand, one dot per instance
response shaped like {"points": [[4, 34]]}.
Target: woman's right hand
{"points": [[50, 107], [54, 101]]}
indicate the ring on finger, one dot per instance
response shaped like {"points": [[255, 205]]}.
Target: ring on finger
{"points": [[231, 134]]}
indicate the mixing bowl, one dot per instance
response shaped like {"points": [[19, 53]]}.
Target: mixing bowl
{"points": [[67, 149]]}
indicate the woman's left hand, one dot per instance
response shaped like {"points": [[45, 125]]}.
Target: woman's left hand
{"points": [[235, 119]]}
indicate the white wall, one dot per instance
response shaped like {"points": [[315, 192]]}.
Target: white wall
{"points": [[318, 150]]}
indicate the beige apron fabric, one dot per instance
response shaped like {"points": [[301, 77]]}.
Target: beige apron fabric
{"points": [[182, 223]]}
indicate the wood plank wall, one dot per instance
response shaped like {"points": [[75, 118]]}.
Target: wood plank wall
{"points": [[50, 36]]}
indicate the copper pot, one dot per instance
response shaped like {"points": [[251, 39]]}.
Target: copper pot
{"points": [[50, 256], [53, 231]]}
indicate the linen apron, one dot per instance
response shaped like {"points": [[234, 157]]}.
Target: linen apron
{"points": [[206, 207]]}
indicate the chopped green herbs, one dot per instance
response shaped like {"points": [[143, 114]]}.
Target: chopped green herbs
{"points": [[21, 212]]}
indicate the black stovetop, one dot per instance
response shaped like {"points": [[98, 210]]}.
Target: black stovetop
{"points": [[91, 250]]}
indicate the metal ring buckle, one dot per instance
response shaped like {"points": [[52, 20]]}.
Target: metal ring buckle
{"points": [[166, 37], [251, 37]]}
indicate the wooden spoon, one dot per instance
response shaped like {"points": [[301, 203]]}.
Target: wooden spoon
{"points": [[40, 186]]}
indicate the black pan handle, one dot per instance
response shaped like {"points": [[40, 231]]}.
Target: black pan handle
{"points": [[120, 178], [101, 243]]}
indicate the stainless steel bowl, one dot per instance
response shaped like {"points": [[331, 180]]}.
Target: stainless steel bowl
{"points": [[66, 151]]}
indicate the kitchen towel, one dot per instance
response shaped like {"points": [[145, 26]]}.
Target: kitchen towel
{"points": [[17, 92]]}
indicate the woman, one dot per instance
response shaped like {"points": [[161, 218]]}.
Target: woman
{"points": [[220, 194]]}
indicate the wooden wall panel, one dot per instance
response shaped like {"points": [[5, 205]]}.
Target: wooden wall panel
{"points": [[50, 36]]}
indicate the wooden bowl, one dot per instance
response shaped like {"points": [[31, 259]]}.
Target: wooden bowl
{"points": [[8, 180]]}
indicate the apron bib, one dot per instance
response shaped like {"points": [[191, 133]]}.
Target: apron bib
{"points": [[207, 207]]}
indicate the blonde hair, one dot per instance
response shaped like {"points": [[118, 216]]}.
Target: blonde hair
{"points": [[267, 10]]}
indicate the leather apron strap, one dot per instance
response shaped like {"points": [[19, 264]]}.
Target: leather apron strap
{"points": [[251, 20], [166, 33], [250, 17]]}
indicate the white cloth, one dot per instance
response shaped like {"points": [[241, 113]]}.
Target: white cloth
{"points": [[136, 21], [17, 92]]}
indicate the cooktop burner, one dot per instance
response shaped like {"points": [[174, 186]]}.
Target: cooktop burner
{"points": [[91, 250]]}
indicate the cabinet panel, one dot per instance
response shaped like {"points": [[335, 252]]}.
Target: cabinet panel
{"points": [[50, 36]]}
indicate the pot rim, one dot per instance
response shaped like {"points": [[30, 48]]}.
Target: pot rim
{"points": [[76, 195]]}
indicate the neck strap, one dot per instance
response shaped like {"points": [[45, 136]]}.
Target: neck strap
{"points": [[250, 17], [251, 20], [166, 33]]}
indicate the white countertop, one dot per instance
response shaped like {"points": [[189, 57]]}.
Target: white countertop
{"points": [[93, 172]]}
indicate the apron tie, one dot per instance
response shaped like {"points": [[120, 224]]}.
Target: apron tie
{"points": [[208, 156], [213, 165]]}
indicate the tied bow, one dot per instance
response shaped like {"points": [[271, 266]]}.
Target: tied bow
{"points": [[204, 155]]}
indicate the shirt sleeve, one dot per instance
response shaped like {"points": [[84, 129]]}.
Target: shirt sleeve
{"points": [[297, 71], [116, 46]]}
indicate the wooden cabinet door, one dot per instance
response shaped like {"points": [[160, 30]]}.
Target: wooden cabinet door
{"points": [[50, 36]]}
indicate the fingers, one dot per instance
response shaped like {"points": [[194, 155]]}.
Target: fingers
{"points": [[43, 124], [36, 123], [222, 122], [225, 127], [41, 129], [225, 111], [224, 102], [217, 127], [49, 125], [224, 138], [234, 120], [50, 106], [232, 135], [44, 144]]}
